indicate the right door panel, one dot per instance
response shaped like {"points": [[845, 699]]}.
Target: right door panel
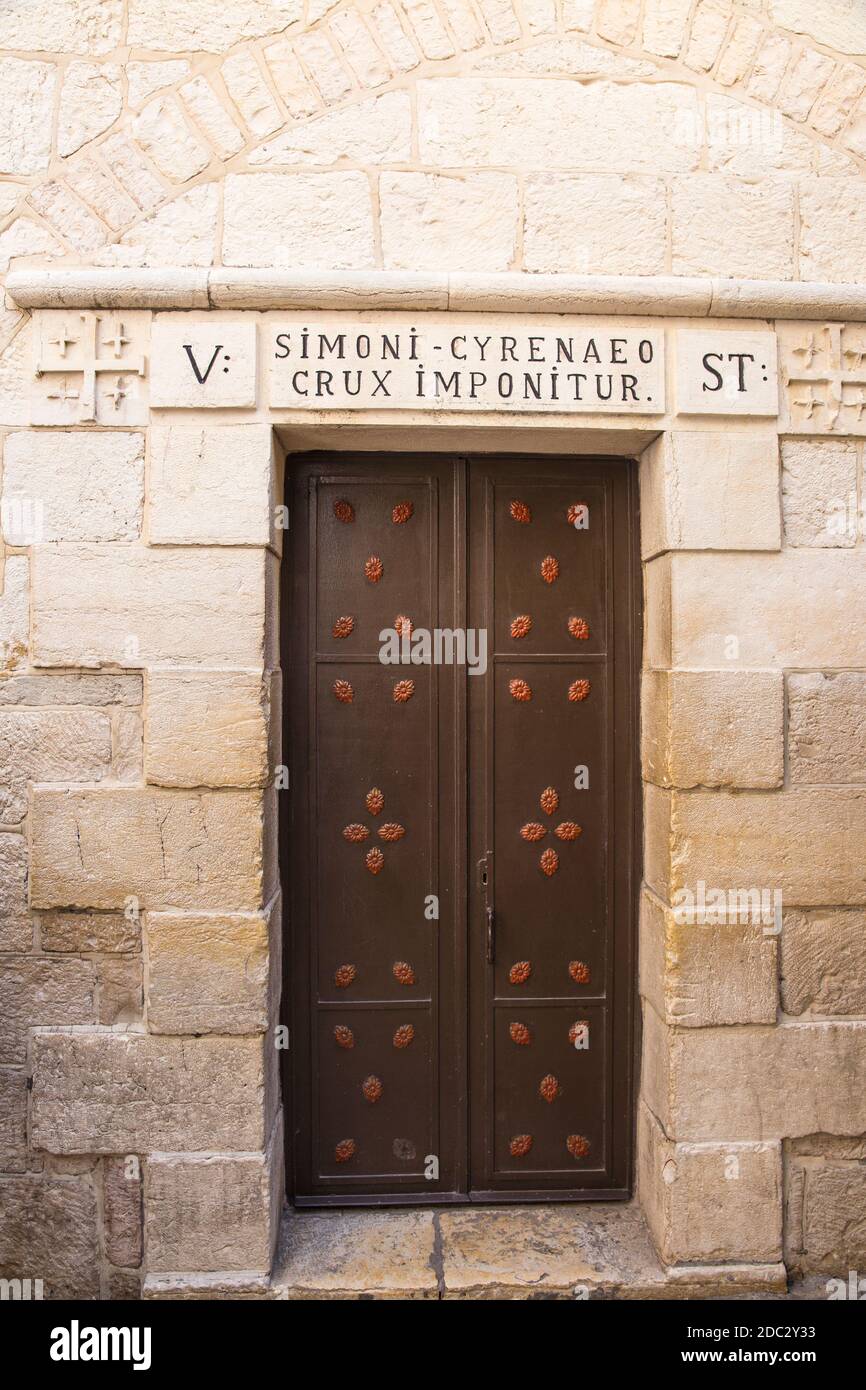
{"points": [[551, 794]]}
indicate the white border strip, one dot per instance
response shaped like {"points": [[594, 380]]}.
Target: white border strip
{"points": [[665, 296]]}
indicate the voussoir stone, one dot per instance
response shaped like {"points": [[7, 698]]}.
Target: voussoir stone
{"points": [[107, 1092], [179, 26], [97, 849]]}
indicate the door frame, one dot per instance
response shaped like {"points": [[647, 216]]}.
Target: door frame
{"points": [[625, 1012]]}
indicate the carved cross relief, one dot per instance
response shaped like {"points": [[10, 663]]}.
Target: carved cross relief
{"points": [[824, 376], [90, 367]]}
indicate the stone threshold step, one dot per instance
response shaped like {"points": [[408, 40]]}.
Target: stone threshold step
{"points": [[591, 1251]]}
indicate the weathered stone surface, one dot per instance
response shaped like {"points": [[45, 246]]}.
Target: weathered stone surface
{"points": [[759, 227], [754, 142], [665, 26], [297, 94], [14, 614], [127, 745], [101, 193], [439, 222], [55, 745], [166, 848], [335, 1257], [207, 974], [120, 991], [713, 728], [105, 1092], [16, 928], [89, 931], [361, 53], [710, 491], [25, 237], [91, 99], [142, 606], [70, 688], [37, 992], [826, 1231], [181, 233], [838, 26], [827, 727], [179, 25], [711, 1202], [697, 975], [145, 78], [207, 728], [806, 843], [167, 140], [832, 230], [25, 115], [761, 1083], [819, 491], [788, 610], [330, 224], [824, 961], [740, 50], [250, 93], [132, 171], [13, 1121], [563, 57], [211, 1211], [594, 224], [68, 215], [484, 121], [48, 1231], [211, 115], [210, 485], [122, 1286], [121, 1188]]}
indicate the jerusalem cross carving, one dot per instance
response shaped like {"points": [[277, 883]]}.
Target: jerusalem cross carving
{"points": [[90, 368], [824, 374]]}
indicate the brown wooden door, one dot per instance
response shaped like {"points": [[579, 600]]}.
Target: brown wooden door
{"points": [[459, 843]]}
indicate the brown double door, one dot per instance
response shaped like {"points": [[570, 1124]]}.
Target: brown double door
{"points": [[459, 831]]}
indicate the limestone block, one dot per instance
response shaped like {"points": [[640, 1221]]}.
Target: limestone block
{"points": [[296, 93], [53, 745], [181, 233], [713, 728], [211, 1211], [89, 931], [709, 27], [793, 609], [37, 992], [711, 491], [376, 131], [120, 992], [360, 51], [739, 51], [769, 67], [250, 93], [167, 140], [172, 26], [804, 842], [761, 1083], [827, 727], [665, 26], [618, 20], [48, 1231], [838, 99], [331, 222], [118, 1093], [91, 99], [832, 230], [26, 105], [132, 171], [758, 219], [713, 1202], [657, 643], [207, 973], [595, 224], [147, 606], [207, 363], [13, 1124], [210, 485], [319, 57], [523, 124], [697, 974], [824, 961], [578, 14], [70, 688], [819, 491], [122, 1199], [444, 222], [96, 849], [207, 728], [754, 141], [832, 1224], [16, 928], [429, 31], [803, 83], [127, 746], [72, 486]]}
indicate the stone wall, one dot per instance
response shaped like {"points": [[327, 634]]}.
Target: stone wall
{"points": [[139, 689]]}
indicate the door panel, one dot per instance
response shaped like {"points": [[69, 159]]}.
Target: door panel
{"points": [[491, 1049], [550, 1040]]}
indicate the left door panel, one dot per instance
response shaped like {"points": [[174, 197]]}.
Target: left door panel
{"points": [[376, 831]]}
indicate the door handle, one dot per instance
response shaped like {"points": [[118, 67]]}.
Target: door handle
{"points": [[491, 936]]}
